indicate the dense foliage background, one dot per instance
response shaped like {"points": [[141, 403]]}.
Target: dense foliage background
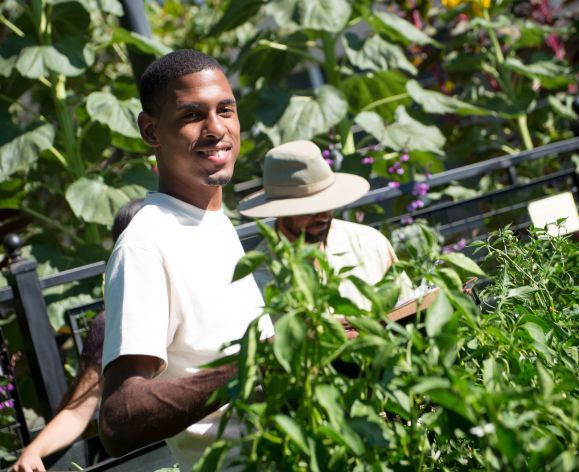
{"points": [[397, 89]]}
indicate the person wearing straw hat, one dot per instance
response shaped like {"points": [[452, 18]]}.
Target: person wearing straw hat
{"points": [[301, 191]]}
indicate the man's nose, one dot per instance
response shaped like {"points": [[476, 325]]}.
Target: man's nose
{"points": [[322, 216], [214, 126]]}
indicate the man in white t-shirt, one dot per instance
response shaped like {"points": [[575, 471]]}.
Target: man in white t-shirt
{"points": [[169, 298], [301, 191]]}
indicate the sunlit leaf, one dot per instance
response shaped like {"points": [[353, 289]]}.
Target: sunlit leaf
{"points": [[405, 132], [119, 116], [307, 116], [438, 314], [462, 262], [400, 29], [293, 431], [247, 264], [23, 150], [436, 102], [96, 202], [381, 92], [322, 15], [290, 334], [550, 74], [375, 54]]}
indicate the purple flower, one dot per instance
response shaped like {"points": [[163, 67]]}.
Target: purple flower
{"points": [[427, 175], [447, 250], [415, 205], [459, 245], [9, 403], [326, 153], [391, 170], [420, 189], [393, 184], [400, 171], [368, 160], [404, 157], [376, 147], [10, 387], [329, 161], [406, 220]]}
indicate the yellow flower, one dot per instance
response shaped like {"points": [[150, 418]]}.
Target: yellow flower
{"points": [[452, 3], [478, 6]]}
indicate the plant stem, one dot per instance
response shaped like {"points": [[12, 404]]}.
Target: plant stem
{"points": [[385, 100], [74, 161], [11, 26], [53, 223], [524, 130], [285, 47]]}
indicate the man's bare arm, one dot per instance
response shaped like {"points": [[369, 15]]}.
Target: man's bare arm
{"points": [[138, 409]]}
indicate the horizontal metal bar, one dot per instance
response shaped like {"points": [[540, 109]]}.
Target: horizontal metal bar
{"points": [[72, 275], [486, 196]]}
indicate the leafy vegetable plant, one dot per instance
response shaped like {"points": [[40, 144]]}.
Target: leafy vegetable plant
{"points": [[456, 388]]}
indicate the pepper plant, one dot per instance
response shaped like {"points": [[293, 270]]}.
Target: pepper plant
{"points": [[453, 389]]}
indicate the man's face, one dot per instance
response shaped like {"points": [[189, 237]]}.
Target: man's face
{"points": [[196, 134], [315, 227]]}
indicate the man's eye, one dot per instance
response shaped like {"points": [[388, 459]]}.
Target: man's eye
{"points": [[227, 111]]}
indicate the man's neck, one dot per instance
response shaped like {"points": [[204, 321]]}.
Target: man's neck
{"points": [[206, 198]]}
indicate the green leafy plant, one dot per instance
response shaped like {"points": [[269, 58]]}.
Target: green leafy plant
{"points": [[453, 389]]}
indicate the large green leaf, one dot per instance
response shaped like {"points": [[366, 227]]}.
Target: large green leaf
{"points": [[550, 74], [270, 58], [405, 132], [96, 202], [290, 334], [80, 55], [236, 13], [399, 29], [293, 430], [119, 116], [36, 61], [247, 360], [381, 92], [22, 151], [321, 15], [307, 116], [375, 54], [439, 313], [70, 19], [463, 263], [7, 65], [250, 261], [436, 102], [142, 43]]}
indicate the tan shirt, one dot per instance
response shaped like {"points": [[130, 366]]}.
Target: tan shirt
{"points": [[352, 244]]}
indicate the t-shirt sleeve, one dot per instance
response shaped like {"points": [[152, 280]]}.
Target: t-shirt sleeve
{"points": [[136, 305]]}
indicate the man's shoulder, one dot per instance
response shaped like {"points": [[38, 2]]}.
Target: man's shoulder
{"points": [[362, 230]]}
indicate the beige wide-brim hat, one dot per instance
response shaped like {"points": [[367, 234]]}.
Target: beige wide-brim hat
{"points": [[298, 181]]}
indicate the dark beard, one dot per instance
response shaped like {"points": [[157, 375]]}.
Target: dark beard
{"points": [[217, 180], [309, 238]]}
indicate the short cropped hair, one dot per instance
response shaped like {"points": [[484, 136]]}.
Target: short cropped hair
{"points": [[154, 81]]}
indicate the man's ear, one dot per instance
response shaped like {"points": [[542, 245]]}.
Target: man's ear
{"points": [[148, 129]]}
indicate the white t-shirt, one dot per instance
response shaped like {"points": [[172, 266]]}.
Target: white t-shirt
{"points": [[168, 294], [348, 244]]}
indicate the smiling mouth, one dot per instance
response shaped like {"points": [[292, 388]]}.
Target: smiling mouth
{"points": [[216, 155]]}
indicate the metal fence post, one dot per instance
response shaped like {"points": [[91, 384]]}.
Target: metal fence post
{"points": [[37, 333]]}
